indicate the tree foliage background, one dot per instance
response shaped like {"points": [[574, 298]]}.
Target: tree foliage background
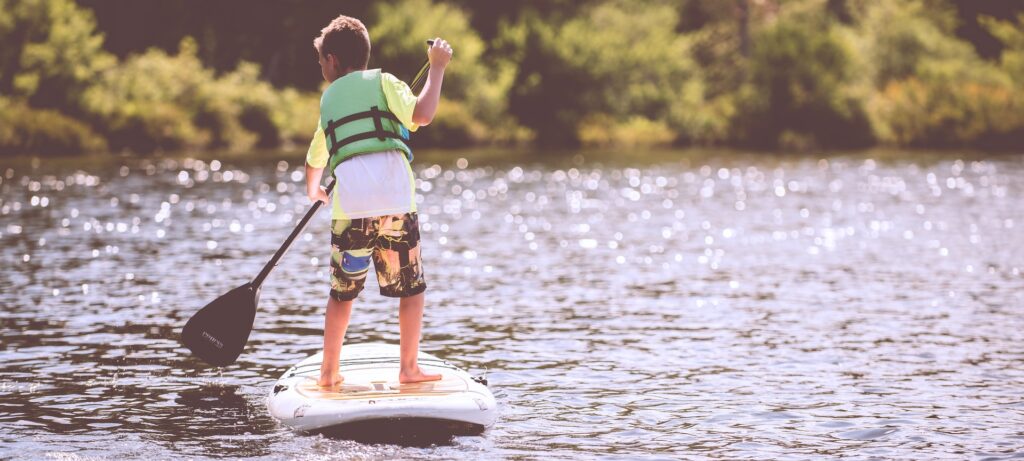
{"points": [[770, 74]]}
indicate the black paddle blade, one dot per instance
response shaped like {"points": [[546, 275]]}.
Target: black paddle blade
{"points": [[218, 332]]}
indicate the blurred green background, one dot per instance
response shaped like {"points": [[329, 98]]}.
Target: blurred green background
{"points": [[150, 75]]}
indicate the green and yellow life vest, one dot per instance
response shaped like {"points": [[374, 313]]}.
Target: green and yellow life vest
{"points": [[355, 118]]}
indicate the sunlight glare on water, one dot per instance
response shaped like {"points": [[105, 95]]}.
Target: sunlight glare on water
{"points": [[696, 304]]}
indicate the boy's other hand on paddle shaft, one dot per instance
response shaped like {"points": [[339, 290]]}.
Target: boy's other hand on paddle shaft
{"points": [[320, 194], [314, 190]]}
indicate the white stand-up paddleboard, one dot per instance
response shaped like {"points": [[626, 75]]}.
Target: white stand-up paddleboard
{"points": [[372, 394]]}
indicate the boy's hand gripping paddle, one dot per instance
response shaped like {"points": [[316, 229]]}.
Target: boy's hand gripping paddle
{"points": [[218, 332]]}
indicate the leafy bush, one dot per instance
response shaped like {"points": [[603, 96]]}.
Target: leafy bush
{"points": [[50, 52], [899, 37], [253, 107], [1011, 34], [474, 99], [930, 113], [26, 130], [932, 88], [604, 131], [155, 100], [613, 63], [798, 89], [792, 74], [152, 101]]}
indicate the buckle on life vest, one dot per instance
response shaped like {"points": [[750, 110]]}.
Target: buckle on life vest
{"points": [[378, 128]]}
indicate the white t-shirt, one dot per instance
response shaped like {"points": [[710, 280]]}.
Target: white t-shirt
{"points": [[376, 184]]}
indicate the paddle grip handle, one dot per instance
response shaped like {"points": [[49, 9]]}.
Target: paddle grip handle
{"points": [[256, 282]]}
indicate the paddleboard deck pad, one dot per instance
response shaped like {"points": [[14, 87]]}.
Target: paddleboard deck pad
{"points": [[372, 396]]}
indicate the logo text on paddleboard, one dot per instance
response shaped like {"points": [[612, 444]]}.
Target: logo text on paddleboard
{"points": [[212, 340]]}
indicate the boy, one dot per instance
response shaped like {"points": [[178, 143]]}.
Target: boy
{"points": [[373, 208]]}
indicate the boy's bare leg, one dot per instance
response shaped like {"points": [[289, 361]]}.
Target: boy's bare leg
{"points": [[335, 324], [410, 323]]}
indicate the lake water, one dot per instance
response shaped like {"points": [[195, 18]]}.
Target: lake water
{"points": [[683, 305]]}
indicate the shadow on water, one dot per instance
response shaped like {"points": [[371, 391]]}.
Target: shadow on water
{"points": [[405, 432], [215, 413]]}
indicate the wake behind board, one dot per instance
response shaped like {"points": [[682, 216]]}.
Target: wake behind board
{"points": [[372, 396]]}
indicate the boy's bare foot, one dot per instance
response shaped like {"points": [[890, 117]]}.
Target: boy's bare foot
{"points": [[416, 375], [330, 381]]}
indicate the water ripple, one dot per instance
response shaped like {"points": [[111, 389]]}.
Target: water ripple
{"points": [[724, 305]]}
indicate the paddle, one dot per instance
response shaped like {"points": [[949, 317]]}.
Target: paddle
{"points": [[218, 332], [422, 73]]}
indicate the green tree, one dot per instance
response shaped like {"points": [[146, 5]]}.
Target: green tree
{"points": [[797, 93], [931, 88], [50, 53], [43, 131], [152, 100], [616, 68], [473, 107], [156, 100], [1011, 61], [898, 38], [1011, 34]]}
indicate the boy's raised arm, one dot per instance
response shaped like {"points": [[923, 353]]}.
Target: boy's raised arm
{"points": [[439, 54]]}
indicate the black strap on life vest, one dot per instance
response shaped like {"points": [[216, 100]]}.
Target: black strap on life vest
{"points": [[378, 128]]}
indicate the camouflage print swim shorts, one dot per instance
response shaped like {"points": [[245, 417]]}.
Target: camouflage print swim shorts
{"points": [[393, 244]]}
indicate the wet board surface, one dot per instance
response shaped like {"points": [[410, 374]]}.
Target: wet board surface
{"points": [[374, 385], [371, 392]]}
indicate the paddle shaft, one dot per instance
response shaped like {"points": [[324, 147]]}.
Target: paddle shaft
{"points": [[423, 71], [258, 281]]}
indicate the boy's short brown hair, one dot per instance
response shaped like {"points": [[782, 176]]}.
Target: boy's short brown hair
{"points": [[347, 39]]}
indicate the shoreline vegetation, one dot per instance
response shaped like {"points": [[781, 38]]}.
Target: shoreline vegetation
{"points": [[794, 75]]}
